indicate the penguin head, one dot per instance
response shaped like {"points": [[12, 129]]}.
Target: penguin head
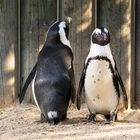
{"points": [[59, 32], [100, 36]]}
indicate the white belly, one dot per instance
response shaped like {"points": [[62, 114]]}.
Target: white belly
{"points": [[101, 96]]}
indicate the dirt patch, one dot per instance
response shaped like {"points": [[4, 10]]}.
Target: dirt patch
{"points": [[20, 122]]}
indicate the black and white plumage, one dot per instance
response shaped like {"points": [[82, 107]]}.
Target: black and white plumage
{"points": [[53, 75], [100, 78]]}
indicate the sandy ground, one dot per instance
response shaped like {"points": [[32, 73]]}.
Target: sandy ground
{"points": [[20, 122]]}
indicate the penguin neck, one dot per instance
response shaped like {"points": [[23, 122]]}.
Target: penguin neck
{"points": [[57, 40], [63, 38], [98, 50], [65, 41]]}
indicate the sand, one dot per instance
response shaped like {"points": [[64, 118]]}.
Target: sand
{"points": [[20, 122]]}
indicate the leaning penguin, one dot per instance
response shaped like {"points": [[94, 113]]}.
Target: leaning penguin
{"points": [[53, 75], [100, 79]]}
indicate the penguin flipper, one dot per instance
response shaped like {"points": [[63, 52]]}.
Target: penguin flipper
{"points": [[73, 89], [79, 91], [119, 79], [28, 81]]}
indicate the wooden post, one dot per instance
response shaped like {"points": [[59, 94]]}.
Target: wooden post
{"points": [[94, 11], [61, 12], [18, 57], [133, 54], [8, 48], [60, 9]]}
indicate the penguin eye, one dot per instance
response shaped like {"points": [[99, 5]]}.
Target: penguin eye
{"points": [[96, 35]]}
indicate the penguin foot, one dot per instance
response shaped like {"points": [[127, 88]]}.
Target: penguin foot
{"points": [[53, 122], [43, 118], [107, 117], [105, 122], [91, 119], [113, 117], [89, 122], [64, 117]]}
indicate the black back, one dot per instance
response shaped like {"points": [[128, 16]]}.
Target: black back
{"points": [[53, 80]]}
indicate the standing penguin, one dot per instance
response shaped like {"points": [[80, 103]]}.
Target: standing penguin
{"points": [[53, 75], [100, 78]]}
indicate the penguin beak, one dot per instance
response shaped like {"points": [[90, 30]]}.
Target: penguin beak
{"points": [[104, 37], [68, 21]]}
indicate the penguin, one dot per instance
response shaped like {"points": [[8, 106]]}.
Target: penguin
{"points": [[53, 82], [100, 79]]}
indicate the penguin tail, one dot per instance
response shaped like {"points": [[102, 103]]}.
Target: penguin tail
{"points": [[53, 117], [28, 81]]}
